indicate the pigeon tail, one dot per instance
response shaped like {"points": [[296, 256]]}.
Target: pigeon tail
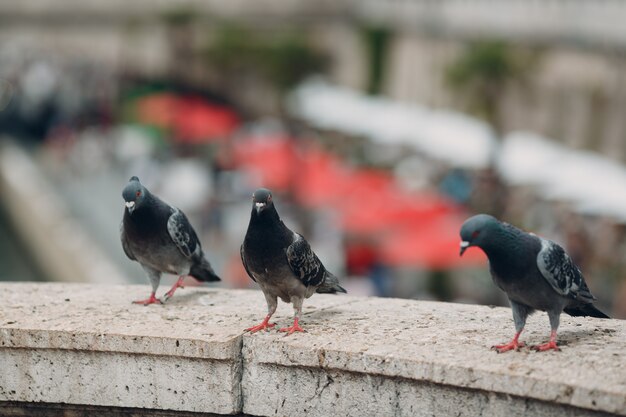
{"points": [[330, 285], [203, 272], [586, 310]]}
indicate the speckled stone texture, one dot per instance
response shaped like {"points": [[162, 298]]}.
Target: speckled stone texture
{"points": [[80, 344], [375, 356], [87, 344]]}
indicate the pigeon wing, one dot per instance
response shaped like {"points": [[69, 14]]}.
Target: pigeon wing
{"points": [[182, 234], [304, 263], [125, 245], [561, 273], [245, 264]]}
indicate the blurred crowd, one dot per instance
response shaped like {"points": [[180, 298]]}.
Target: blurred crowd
{"points": [[44, 95]]}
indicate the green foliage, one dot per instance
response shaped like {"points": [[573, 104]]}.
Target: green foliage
{"points": [[484, 62], [179, 17], [376, 43], [283, 58], [485, 71], [439, 285]]}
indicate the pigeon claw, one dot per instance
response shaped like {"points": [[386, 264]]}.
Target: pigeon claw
{"points": [[169, 294], [178, 284], [551, 345], [262, 326], [265, 325], [512, 345], [290, 330], [147, 301]]}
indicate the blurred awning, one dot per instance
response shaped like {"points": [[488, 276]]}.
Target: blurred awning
{"points": [[454, 138], [320, 177], [391, 208], [410, 229], [432, 243], [592, 183], [190, 119], [269, 161]]}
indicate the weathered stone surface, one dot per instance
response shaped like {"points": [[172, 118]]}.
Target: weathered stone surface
{"points": [[119, 379], [196, 323], [436, 342], [87, 344], [295, 391]]}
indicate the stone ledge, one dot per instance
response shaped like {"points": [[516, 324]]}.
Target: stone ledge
{"points": [[20, 409], [87, 344]]}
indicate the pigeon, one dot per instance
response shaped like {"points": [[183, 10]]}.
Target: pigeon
{"points": [[161, 239], [535, 274], [281, 262]]}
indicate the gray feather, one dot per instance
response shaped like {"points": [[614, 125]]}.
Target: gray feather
{"points": [[561, 273], [535, 273], [182, 234], [304, 263], [279, 260], [245, 264], [160, 237], [125, 245]]}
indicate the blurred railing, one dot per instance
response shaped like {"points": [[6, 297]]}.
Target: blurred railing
{"points": [[57, 241]]}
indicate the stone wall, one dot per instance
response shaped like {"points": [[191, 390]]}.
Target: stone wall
{"points": [[69, 345]]}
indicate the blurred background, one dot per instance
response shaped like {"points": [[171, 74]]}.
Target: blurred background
{"points": [[379, 125]]}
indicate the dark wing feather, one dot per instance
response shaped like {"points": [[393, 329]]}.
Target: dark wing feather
{"points": [[182, 234], [561, 273], [304, 263], [125, 245], [245, 265]]}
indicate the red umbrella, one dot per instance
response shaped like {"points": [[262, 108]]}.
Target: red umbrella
{"points": [[198, 121], [410, 229], [390, 207], [157, 110], [432, 244], [190, 118], [320, 177], [268, 161]]}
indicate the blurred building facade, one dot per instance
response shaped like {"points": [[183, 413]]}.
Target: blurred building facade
{"points": [[564, 61]]}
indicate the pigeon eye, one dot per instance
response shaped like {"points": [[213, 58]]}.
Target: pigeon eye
{"points": [[476, 233], [138, 193]]}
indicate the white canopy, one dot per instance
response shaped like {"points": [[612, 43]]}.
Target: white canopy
{"points": [[459, 140], [593, 183]]}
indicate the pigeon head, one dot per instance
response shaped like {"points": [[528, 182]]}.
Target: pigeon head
{"points": [[134, 195], [262, 200], [475, 231]]}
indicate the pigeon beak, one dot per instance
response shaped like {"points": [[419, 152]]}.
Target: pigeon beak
{"points": [[259, 207], [130, 205], [464, 245]]}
